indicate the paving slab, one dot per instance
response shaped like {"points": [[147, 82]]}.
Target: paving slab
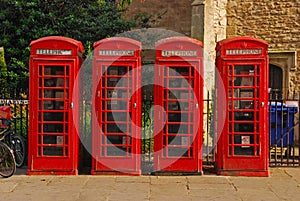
{"points": [[283, 184]]}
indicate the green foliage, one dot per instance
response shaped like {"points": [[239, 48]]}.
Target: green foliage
{"points": [[3, 69], [84, 20]]}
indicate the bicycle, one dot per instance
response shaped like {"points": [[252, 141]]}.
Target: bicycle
{"points": [[14, 141]]}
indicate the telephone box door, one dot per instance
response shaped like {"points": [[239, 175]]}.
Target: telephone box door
{"points": [[116, 135], [242, 146], [53, 141], [179, 95]]}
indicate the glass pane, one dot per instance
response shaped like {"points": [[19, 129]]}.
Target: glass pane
{"points": [[244, 139], [53, 128], [49, 82], [244, 150], [180, 152], [244, 70], [53, 151], [116, 151], [243, 115], [243, 127]]}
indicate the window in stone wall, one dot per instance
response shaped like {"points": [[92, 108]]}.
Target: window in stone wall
{"points": [[275, 82], [282, 63]]}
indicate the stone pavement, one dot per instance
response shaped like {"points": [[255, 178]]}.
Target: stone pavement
{"points": [[283, 184]]}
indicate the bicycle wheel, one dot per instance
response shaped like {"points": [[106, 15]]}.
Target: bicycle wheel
{"points": [[19, 147], [7, 161]]}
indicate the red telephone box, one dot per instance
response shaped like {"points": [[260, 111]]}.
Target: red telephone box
{"points": [[117, 107], [242, 139], [53, 141], [179, 96]]}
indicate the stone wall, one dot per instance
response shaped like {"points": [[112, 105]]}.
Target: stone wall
{"points": [[177, 15], [277, 22]]}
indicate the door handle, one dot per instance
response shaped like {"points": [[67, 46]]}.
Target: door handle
{"points": [[262, 104], [134, 105]]}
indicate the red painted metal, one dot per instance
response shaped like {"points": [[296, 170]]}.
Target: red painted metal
{"points": [[53, 142], [242, 107], [116, 145], [178, 90]]}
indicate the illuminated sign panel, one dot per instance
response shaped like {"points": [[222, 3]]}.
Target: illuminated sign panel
{"points": [[243, 51], [116, 52], [53, 52], [179, 53]]}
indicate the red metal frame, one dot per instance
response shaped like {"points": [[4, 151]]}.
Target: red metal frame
{"points": [[116, 145], [179, 92], [242, 139], [53, 140]]}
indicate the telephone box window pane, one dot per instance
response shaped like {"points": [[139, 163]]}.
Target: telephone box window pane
{"points": [[60, 94], [244, 139], [244, 150], [173, 106], [244, 70], [40, 71], [114, 116], [116, 151], [246, 104], [48, 93], [67, 70], [185, 117], [257, 127], [53, 151], [243, 127], [47, 71], [50, 82], [235, 106], [230, 150], [179, 83], [230, 139], [247, 81], [174, 117], [179, 140], [178, 152], [246, 93], [177, 71], [173, 128], [59, 105], [183, 129], [244, 115], [230, 69], [58, 70], [230, 82], [51, 139], [66, 128], [53, 116], [41, 82], [112, 128], [114, 139], [48, 105], [236, 93], [52, 128]]}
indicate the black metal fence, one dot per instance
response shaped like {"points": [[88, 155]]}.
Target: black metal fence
{"points": [[18, 101], [284, 140]]}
